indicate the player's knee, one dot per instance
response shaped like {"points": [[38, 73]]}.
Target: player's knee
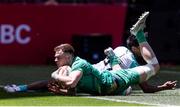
{"points": [[155, 64], [156, 68], [149, 70]]}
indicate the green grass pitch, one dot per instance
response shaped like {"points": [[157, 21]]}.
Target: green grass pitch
{"points": [[49, 99]]}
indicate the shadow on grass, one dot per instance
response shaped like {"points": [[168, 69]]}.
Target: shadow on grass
{"points": [[5, 95]]}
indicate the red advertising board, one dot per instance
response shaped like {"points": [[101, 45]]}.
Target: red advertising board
{"points": [[28, 33]]}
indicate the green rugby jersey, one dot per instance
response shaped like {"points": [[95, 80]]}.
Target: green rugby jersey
{"points": [[92, 81]]}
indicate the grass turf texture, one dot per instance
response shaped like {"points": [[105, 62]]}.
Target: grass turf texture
{"points": [[49, 99]]}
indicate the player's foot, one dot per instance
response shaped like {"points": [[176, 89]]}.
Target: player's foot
{"points": [[111, 56], [127, 91], [109, 52], [140, 24], [11, 88]]}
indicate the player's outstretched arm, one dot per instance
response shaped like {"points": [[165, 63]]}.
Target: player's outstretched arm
{"points": [[168, 85]]}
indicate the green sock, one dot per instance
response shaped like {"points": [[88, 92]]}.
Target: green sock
{"points": [[140, 36], [22, 88]]}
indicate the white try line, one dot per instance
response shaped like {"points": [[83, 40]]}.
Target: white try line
{"points": [[126, 101]]}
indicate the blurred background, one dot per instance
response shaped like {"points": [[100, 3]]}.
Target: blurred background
{"points": [[30, 29]]}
